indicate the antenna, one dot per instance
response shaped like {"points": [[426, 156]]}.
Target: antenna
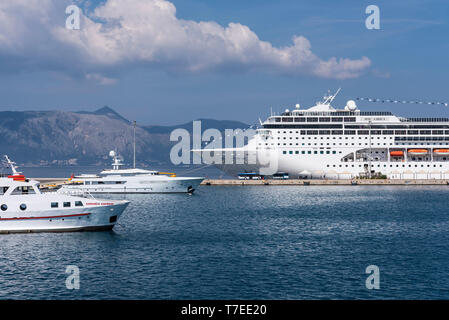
{"points": [[134, 162], [12, 165], [329, 98]]}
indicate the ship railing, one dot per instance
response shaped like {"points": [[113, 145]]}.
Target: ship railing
{"points": [[77, 193], [424, 119]]}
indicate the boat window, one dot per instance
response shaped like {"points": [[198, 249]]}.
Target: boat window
{"points": [[54, 205], [78, 203], [66, 204], [23, 190], [3, 190], [23, 207], [4, 207]]}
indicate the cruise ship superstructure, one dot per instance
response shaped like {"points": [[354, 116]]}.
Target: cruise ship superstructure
{"points": [[324, 142]]}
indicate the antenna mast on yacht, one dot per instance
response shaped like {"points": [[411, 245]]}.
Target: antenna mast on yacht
{"points": [[13, 166], [134, 162]]}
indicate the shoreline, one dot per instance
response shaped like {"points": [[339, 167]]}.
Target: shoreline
{"points": [[292, 182], [322, 182]]}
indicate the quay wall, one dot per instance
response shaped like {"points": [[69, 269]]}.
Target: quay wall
{"points": [[292, 182], [289, 182]]}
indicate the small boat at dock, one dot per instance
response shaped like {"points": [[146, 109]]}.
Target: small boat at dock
{"points": [[132, 180], [24, 208]]}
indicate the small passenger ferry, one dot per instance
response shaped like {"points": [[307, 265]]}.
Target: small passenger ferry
{"points": [[23, 208]]}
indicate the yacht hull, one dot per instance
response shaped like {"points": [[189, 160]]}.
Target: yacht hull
{"points": [[184, 185], [97, 218]]}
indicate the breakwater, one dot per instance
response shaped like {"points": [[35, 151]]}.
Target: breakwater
{"points": [[290, 182]]}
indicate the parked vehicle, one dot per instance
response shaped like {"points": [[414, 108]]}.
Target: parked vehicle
{"points": [[250, 176], [281, 176]]}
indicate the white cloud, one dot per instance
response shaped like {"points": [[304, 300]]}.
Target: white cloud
{"points": [[127, 33], [100, 79]]}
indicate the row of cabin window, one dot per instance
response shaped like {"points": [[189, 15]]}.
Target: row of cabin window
{"points": [[66, 204], [360, 126], [310, 152], [334, 138], [18, 190], [361, 129], [421, 138], [23, 206], [344, 113], [373, 132], [103, 182], [314, 119], [391, 165], [360, 144]]}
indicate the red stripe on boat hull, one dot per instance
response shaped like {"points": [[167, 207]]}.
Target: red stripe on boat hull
{"points": [[47, 217]]}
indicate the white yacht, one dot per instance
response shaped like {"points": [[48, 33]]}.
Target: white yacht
{"points": [[133, 180], [326, 142], [23, 208]]}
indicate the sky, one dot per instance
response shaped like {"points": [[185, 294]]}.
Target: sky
{"points": [[169, 62]]}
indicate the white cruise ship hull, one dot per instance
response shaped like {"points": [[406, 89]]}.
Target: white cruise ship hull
{"points": [[95, 218], [331, 166]]}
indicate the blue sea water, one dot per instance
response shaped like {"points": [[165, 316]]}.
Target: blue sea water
{"points": [[247, 242]]}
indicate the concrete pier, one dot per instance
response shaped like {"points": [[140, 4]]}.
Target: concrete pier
{"points": [[295, 182], [289, 182]]}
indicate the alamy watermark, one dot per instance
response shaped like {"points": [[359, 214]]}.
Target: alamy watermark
{"points": [[223, 148], [373, 280], [373, 20], [72, 281], [73, 20]]}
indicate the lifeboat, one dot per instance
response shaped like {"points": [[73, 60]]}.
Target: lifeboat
{"points": [[417, 151], [396, 153], [441, 151]]}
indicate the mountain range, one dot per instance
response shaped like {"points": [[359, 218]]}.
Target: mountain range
{"points": [[85, 138]]}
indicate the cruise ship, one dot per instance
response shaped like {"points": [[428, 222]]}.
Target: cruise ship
{"points": [[329, 143]]}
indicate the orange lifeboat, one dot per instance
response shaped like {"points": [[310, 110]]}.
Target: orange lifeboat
{"points": [[396, 153], [441, 151], [417, 151]]}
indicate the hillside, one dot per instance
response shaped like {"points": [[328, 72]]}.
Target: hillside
{"points": [[59, 137]]}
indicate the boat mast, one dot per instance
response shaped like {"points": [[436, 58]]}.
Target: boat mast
{"points": [[12, 165], [134, 162]]}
